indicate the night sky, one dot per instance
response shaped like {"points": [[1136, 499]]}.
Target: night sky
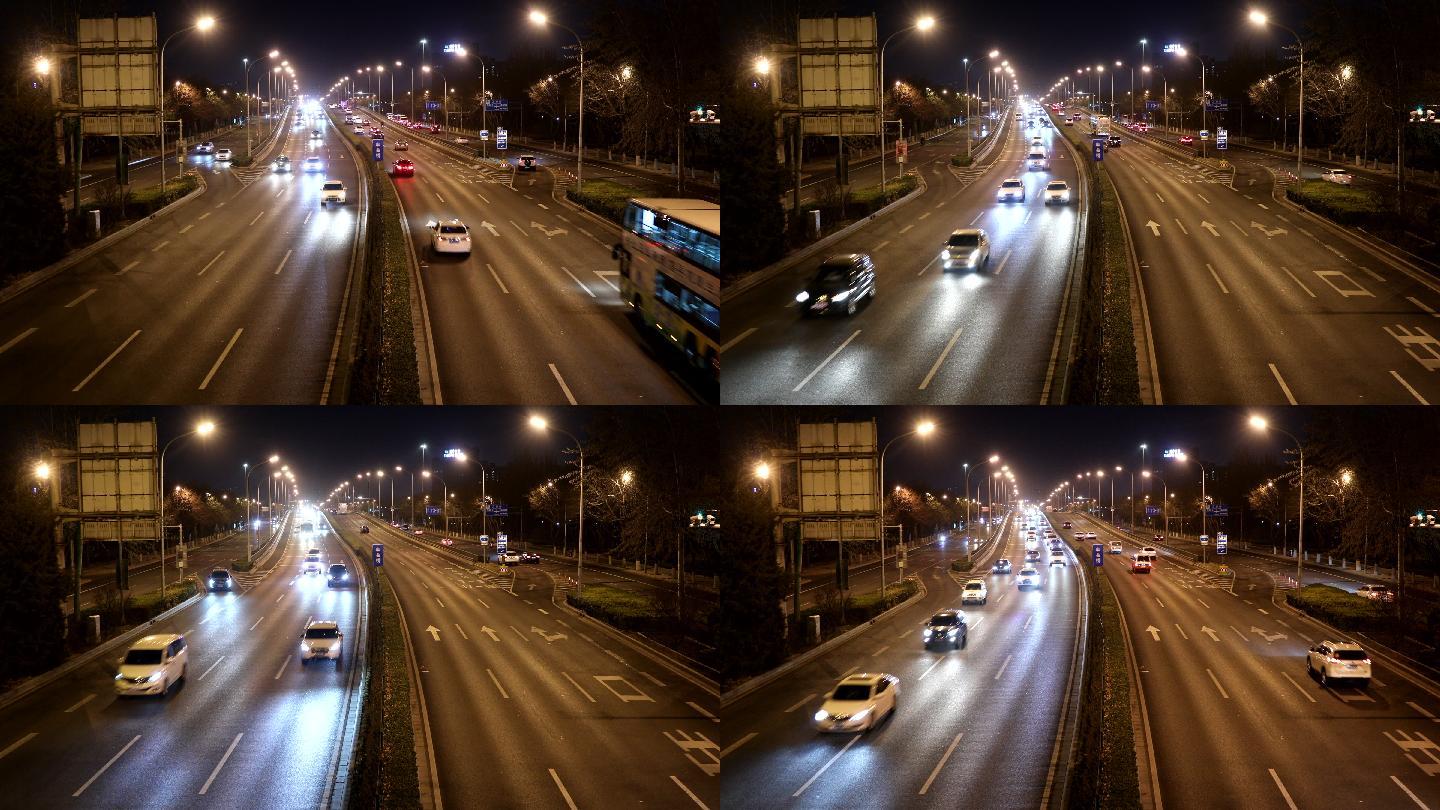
{"points": [[324, 40], [1046, 39]]}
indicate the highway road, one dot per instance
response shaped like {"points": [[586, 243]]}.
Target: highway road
{"points": [[928, 336], [531, 706], [1251, 302], [1236, 720], [533, 315], [976, 727], [235, 297], [250, 726]]}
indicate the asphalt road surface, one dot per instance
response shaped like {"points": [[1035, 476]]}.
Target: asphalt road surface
{"points": [[249, 726], [989, 336], [975, 727], [235, 297]]}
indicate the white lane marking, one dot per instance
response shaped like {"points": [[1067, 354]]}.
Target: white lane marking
{"points": [[880, 651], [106, 766], [1242, 231], [652, 679], [437, 196], [282, 263], [486, 201], [210, 263], [1158, 197], [105, 362], [1028, 621], [204, 215], [943, 759], [577, 281], [221, 359], [257, 622], [701, 710], [281, 670], [941, 359], [563, 387], [807, 698], [82, 702], [1216, 276], [1002, 667], [27, 738], [496, 681], [1216, 681], [1201, 601], [1353, 288], [1408, 387], [977, 217], [1298, 281], [1183, 634], [563, 792], [256, 219], [1003, 260], [823, 768], [1028, 214], [1162, 604], [278, 193], [1263, 205], [926, 214], [157, 248], [518, 228], [826, 361], [604, 276], [578, 686], [1283, 387], [723, 349], [1298, 686], [17, 339], [212, 666], [906, 228], [881, 246], [730, 749], [1182, 226], [496, 276], [931, 668], [127, 268], [1283, 792], [307, 217], [1202, 196], [687, 790], [1412, 796], [82, 297], [186, 228], [1421, 709], [221, 763], [1422, 305]]}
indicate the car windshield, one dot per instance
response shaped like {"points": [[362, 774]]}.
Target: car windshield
{"points": [[964, 240], [1012, 184], [1350, 655], [143, 657], [944, 620], [832, 276], [219, 575], [974, 586], [851, 691], [1058, 185], [452, 229], [333, 186], [337, 569], [322, 632]]}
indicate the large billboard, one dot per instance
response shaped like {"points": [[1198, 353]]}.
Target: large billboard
{"points": [[838, 75], [838, 480], [118, 481], [118, 75]]}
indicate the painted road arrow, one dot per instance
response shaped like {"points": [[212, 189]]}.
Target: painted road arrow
{"points": [[1271, 232], [490, 227], [549, 231], [1153, 631], [551, 637], [1153, 226], [433, 631], [489, 632], [1269, 637], [1211, 633], [1210, 227]]}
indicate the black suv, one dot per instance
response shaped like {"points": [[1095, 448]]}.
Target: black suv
{"points": [[220, 580], [338, 576], [946, 628], [839, 285], [364, 529]]}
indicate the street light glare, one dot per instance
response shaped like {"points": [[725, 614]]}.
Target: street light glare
{"points": [[762, 66], [42, 471], [274, 54], [994, 54], [538, 422], [925, 428], [205, 428], [1259, 422], [42, 66], [1259, 17], [925, 23], [205, 23], [538, 17]]}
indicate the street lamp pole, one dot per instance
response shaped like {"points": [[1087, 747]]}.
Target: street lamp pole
{"points": [[1260, 423], [204, 429], [924, 24], [1260, 18], [539, 18], [539, 423], [204, 24]]}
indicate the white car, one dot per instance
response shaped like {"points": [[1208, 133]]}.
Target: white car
{"points": [[449, 236], [974, 591], [1336, 660], [1116, 547], [1011, 189], [1057, 558], [223, 154], [311, 564], [322, 639], [510, 558], [401, 146], [206, 148], [1057, 192], [1148, 551], [152, 664], [332, 191], [1339, 176], [858, 703], [1029, 578], [314, 164]]}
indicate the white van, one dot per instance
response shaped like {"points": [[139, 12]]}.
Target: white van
{"points": [[1037, 159], [151, 665]]}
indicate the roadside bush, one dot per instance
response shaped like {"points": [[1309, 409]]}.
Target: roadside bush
{"points": [[623, 609], [962, 566], [867, 606], [1340, 608], [1346, 205], [961, 160], [604, 198]]}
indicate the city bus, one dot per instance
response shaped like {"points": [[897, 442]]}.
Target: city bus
{"points": [[670, 275]]}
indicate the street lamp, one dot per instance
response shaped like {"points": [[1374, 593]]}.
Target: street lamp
{"points": [[969, 469], [203, 429], [1204, 95], [1260, 423], [1164, 498], [1261, 19], [1204, 501], [922, 24], [541, 19], [538, 423], [249, 547], [922, 429], [203, 24]]}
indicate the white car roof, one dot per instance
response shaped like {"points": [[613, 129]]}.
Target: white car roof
{"points": [[156, 642], [864, 678], [450, 222], [323, 624]]}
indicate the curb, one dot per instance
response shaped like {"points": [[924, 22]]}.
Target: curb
{"points": [[338, 791], [44, 679], [697, 679], [38, 277], [1069, 319], [766, 678], [761, 276]]}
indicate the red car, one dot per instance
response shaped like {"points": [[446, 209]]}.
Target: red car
{"points": [[402, 168], [1187, 140]]}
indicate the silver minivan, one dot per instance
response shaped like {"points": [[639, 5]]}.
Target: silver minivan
{"points": [[152, 664]]}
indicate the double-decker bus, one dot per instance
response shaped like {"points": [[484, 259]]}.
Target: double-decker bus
{"points": [[669, 258]]}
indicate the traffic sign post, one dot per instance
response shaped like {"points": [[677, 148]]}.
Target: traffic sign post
{"points": [[377, 146], [1097, 145], [502, 542], [902, 150], [502, 138], [1097, 554], [484, 134], [377, 554], [1222, 138], [1222, 543], [1204, 543]]}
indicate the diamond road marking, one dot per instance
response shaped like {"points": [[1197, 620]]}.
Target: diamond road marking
{"points": [[632, 695]]}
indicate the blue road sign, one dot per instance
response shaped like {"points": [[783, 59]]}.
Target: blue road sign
{"points": [[1218, 105], [432, 511], [1152, 511], [1152, 105], [432, 105], [498, 510], [1098, 145], [377, 148], [377, 553], [1217, 510], [502, 138], [1222, 138], [1222, 543], [502, 542], [1097, 554], [497, 105]]}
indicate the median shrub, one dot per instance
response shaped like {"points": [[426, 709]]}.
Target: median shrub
{"points": [[625, 610], [1346, 205], [1340, 608], [961, 160], [964, 566], [604, 198]]}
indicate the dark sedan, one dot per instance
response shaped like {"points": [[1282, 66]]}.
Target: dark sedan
{"points": [[839, 285]]}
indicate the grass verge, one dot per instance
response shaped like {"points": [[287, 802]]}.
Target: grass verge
{"points": [[1339, 608], [385, 371], [626, 610], [1105, 369], [383, 772], [604, 198], [962, 566], [1346, 205], [961, 160]]}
